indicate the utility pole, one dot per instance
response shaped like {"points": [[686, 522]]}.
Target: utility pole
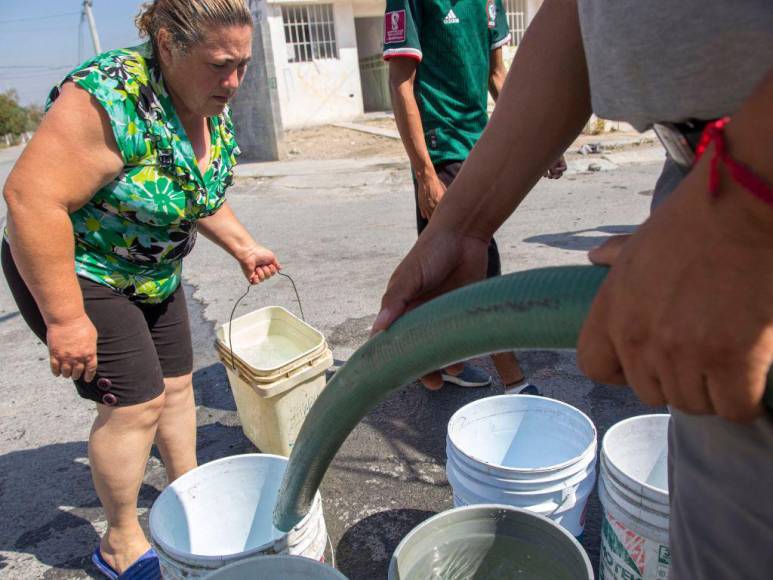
{"points": [[92, 25]]}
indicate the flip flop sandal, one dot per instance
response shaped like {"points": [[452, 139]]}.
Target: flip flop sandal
{"points": [[146, 567]]}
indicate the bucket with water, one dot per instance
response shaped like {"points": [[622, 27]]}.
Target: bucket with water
{"points": [[221, 513], [523, 451], [489, 542], [633, 489], [276, 365], [275, 568]]}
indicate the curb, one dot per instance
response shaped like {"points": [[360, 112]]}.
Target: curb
{"points": [[576, 164]]}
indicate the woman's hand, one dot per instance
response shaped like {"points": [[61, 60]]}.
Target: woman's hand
{"points": [[258, 263], [72, 348]]}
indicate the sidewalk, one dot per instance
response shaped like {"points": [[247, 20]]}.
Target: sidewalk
{"points": [[615, 149]]}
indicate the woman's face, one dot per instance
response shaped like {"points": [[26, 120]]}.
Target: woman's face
{"points": [[205, 77]]}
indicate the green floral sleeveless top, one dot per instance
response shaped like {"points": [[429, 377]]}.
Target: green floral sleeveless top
{"points": [[133, 234]]}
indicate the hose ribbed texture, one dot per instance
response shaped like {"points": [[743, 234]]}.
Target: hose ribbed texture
{"points": [[536, 309]]}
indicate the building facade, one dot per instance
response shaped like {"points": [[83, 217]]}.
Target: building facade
{"points": [[327, 56]]}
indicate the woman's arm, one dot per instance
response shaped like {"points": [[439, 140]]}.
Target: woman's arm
{"points": [[224, 229], [71, 156]]}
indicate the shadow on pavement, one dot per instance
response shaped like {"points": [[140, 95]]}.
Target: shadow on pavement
{"points": [[211, 388], [48, 505], [576, 240], [365, 549]]}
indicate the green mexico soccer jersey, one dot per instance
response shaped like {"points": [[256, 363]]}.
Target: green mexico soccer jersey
{"points": [[452, 42]]}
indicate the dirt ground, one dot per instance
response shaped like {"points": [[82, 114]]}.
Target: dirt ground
{"points": [[331, 142]]}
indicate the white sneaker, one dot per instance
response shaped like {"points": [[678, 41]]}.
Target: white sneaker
{"points": [[522, 388], [469, 377]]}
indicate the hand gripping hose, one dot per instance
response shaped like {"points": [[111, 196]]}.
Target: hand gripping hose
{"points": [[536, 309]]}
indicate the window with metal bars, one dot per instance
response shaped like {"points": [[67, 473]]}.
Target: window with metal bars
{"points": [[516, 19], [309, 32]]}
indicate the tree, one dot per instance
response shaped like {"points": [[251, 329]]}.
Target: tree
{"points": [[14, 119], [34, 116]]}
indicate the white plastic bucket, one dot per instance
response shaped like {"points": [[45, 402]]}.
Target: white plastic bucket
{"points": [[269, 342], [272, 414], [276, 371], [633, 490], [222, 512], [524, 451], [489, 541], [275, 568]]}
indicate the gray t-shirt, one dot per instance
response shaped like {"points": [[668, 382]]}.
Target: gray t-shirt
{"points": [[673, 60]]}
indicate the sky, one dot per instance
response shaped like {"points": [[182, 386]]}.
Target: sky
{"points": [[39, 40]]}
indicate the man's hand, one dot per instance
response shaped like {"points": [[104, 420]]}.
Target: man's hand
{"points": [[558, 169], [258, 263], [686, 314], [72, 348], [442, 260], [431, 191]]}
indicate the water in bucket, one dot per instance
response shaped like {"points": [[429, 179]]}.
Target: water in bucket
{"points": [[272, 350], [482, 557], [489, 542]]}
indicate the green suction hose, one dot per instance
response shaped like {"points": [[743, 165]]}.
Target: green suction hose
{"points": [[542, 308]]}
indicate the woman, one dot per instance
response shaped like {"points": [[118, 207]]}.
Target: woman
{"points": [[133, 157]]}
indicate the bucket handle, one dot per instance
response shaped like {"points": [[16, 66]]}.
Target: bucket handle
{"points": [[233, 310], [332, 552]]}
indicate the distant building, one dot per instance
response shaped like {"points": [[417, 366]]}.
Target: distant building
{"points": [[327, 56], [325, 62]]}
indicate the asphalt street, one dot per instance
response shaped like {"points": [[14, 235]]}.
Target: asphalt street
{"points": [[339, 233]]}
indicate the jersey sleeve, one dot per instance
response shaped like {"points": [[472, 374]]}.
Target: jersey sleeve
{"points": [[402, 22], [499, 32]]}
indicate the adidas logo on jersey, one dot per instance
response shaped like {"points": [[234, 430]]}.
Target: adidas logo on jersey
{"points": [[451, 18]]}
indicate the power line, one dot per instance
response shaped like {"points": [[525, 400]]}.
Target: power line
{"points": [[49, 17], [37, 29], [34, 75], [33, 66]]}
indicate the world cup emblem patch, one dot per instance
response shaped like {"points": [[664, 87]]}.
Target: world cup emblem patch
{"points": [[394, 27], [491, 11]]}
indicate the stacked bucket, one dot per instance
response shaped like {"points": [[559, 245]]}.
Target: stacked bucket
{"points": [[633, 489], [221, 513], [276, 366], [523, 451]]}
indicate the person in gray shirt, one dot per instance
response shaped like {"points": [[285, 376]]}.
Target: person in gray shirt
{"points": [[692, 329]]}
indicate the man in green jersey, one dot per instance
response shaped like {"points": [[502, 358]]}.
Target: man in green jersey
{"points": [[444, 58]]}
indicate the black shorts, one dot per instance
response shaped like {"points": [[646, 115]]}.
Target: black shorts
{"points": [[447, 172], [137, 344]]}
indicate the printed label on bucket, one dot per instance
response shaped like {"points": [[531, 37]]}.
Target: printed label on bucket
{"points": [[625, 555]]}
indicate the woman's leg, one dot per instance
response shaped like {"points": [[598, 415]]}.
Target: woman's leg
{"points": [[176, 433], [119, 446]]}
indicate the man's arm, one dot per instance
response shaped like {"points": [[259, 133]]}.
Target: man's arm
{"points": [[402, 74], [497, 73], [496, 80]]}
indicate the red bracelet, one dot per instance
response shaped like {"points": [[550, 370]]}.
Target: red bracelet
{"points": [[740, 173]]}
